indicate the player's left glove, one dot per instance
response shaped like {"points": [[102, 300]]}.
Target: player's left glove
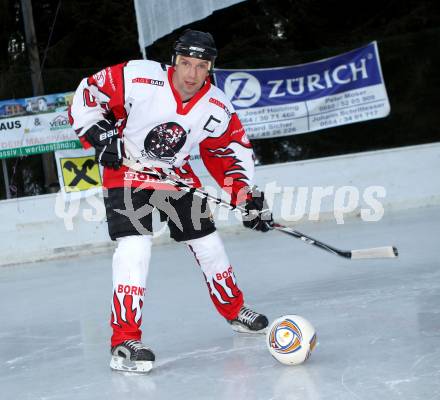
{"points": [[259, 216]]}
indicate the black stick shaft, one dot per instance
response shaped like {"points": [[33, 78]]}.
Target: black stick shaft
{"points": [[165, 178], [312, 241]]}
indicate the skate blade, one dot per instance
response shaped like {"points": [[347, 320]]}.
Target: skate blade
{"points": [[241, 329], [122, 364]]}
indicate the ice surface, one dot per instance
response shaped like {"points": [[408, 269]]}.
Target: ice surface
{"points": [[378, 321]]}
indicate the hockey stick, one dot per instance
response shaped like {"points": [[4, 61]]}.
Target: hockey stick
{"points": [[175, 180], [372, 252]]}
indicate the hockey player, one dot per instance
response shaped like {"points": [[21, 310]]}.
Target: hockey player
{"points": [[157, 114]]}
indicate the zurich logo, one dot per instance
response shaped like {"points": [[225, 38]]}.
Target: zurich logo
{"points": [[242, 89]]}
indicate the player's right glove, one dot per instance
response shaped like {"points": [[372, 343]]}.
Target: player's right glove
{"points": [[259, 216], [103, 136]]}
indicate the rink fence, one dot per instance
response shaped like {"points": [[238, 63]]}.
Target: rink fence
{"points": [[370, 186]]}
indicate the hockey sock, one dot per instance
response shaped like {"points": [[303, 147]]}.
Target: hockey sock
{"points": [[222, 285], [130, 269]]}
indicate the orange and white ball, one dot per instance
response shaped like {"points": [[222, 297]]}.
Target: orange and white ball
{"points": [[291, 339]]}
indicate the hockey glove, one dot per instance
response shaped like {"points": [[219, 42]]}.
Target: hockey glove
{"points": [[259, 216], [103, 136]]}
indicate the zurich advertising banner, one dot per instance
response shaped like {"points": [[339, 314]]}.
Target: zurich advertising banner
{"points": [[286, 101], [36, 125]]}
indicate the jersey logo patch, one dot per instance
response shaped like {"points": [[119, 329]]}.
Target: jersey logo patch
{"points": [[148, 81], [164, 141]]}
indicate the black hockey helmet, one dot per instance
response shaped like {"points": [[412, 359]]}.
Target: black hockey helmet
{"points": [[195, 44]]}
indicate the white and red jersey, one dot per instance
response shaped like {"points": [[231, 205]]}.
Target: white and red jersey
{"points": [[158, 128]]}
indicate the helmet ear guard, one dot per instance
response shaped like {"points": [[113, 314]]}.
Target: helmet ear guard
{"points": [[195, 44]]}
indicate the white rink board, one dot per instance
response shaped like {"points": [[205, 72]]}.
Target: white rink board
{"points": [[32, 231]]}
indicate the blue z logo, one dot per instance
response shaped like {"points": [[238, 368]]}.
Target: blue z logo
{"points": [[239, 90]]}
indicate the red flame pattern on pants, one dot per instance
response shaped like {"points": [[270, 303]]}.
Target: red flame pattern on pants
{"points": [[129, 327], [226, 295], [223, 289]]}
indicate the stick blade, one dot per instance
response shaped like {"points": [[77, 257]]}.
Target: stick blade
{"points": [[375, 252]]}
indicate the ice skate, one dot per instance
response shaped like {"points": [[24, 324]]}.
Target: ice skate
{"points": [[132, 356], [248, 321]]}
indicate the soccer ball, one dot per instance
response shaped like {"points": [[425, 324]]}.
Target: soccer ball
{"points": [[291, 339]]}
